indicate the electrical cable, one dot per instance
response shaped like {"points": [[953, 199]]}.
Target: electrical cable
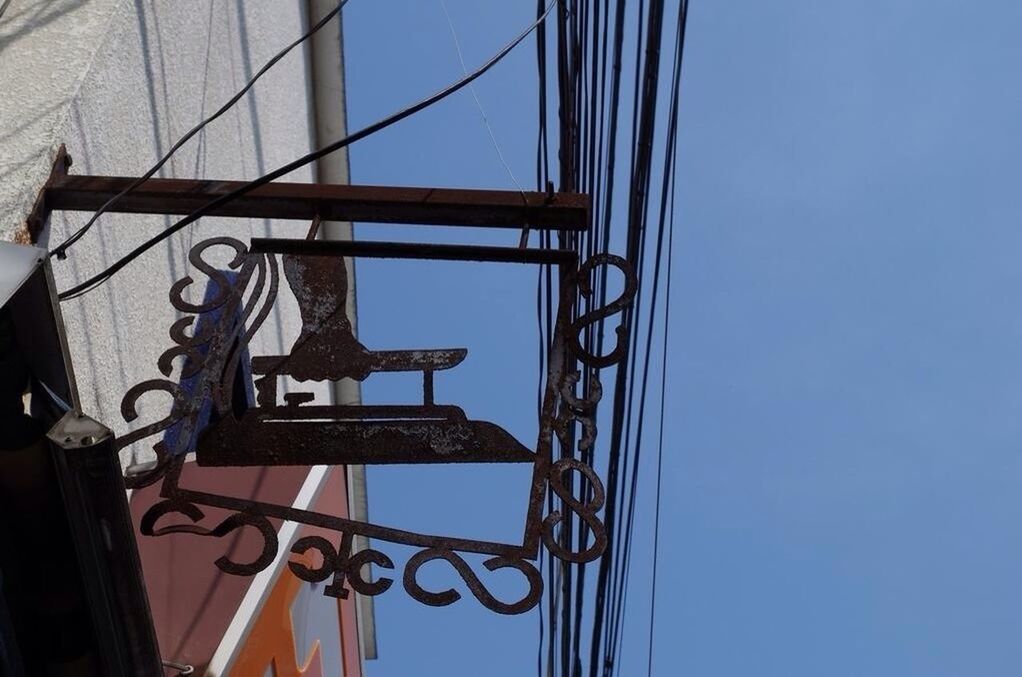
{"points": [[660, 443], [479, 104], [667, 194], [593, 116], [542, 177], [639, 185], [589, 68], [539, 413], [100, 278], [568, 180], [567, 67], [604, 194], [60, 251]]}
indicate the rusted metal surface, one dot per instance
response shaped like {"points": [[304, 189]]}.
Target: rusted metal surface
{"points": [[408, 250], [450, 596], [36, 220], [326, 350], [631, 286], [296, 430], [304, 201], [587, 511], [314, 435]]}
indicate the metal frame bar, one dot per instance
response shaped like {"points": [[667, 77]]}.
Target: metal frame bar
{"points": [[409, 250], [305, 201]]}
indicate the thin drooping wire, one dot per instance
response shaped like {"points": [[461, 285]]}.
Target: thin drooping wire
{"points": [[612, 145], [568, 69], [568, 152], [558, 587], [60, 251], [576, 153], [112, 270], [553, 569], [609, 171], [588, 143], [3, 7], [571, 64], [542, 141], [624, 385], [632, 423], [542, 177], [660, 441], [667, 196], [539, 414], [594, 24], [479, 104]]}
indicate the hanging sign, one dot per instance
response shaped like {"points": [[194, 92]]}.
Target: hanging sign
{"points": [[228, 409]]}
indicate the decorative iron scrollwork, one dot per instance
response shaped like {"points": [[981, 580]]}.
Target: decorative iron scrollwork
{"points": [[341, 565], [475, 586], [211, 353], [232, 523], [587, 511], [631, 286], [579, 409], [209, 347]]}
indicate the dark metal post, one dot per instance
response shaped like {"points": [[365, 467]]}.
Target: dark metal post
{"points": [[89, 475]]}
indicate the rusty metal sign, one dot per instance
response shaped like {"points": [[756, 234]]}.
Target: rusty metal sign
{"points": [[211, 343]]}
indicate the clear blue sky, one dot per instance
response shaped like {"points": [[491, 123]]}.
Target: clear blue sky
{"points": [[843, 466]]}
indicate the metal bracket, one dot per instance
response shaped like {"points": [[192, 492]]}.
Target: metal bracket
{"points": [[36, 220]]}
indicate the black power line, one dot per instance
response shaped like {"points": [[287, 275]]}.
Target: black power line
{"points": [[667, 194], [591, 86], [624, 383], [660, 440]]}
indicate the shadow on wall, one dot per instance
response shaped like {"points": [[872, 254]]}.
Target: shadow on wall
{"points": [[32, 16]]}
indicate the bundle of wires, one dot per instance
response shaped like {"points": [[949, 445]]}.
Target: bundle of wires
{"points": [[582, 628]]}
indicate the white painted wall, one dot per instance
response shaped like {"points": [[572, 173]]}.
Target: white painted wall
{"points": [[118, 81]]}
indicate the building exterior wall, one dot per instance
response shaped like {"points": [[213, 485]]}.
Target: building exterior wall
{"points": [[117, 82], [155, 70]]}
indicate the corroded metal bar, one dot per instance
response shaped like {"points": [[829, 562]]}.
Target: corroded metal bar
{"points": [[410, 250], [305, 201]]}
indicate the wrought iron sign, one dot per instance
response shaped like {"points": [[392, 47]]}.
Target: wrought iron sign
{"points": [[240, 419]]}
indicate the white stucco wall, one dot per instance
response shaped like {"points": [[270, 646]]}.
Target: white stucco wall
{"points": [[45, 51], [118, 81]]}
